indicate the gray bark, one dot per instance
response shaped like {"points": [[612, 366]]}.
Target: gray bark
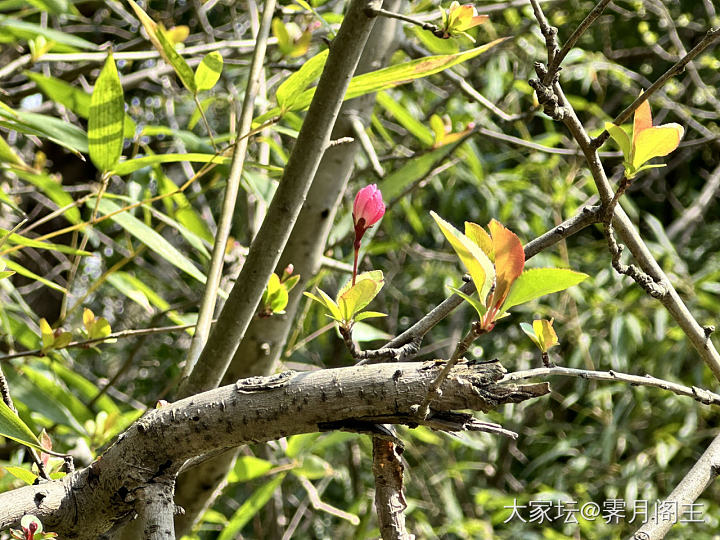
{"points": [[265, 338], [86, 504]]}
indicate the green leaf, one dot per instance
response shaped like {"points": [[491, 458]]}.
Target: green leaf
{"points": [[128, 288], [250, 507], [395, 183], [66, 42], [530, 331], [178, 63], [126, 167], [385, 78], [247, 468], [621, 138], [74, 98], [328, 303], [545, 333], [538, 282], [56, 7], [356, 297], [32, 275], [22, 474], [474, 302], [406, 118], [48, 127], [8, 155], [107, 116], [20, 240], [13, 428], [289, 91], [54, 191], [478, 265], [208, 71], [149, 237], [368, 315]]}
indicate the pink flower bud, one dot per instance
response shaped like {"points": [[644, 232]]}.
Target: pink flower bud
{"points": [[368, 207]]}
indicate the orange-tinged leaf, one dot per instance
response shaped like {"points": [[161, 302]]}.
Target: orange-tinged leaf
{"points": [[478, 265], [509, 260], [655, 142], [478, 235], [642, 119]]}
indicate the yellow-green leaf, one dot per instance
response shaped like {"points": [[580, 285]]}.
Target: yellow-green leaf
{"points": [[538, 282], [13, 428], [356, 297], [106, 119], [208, 71], [478, 265], [46, 333], [621, 138], [546, 334], [292, 87], [655, 142]]}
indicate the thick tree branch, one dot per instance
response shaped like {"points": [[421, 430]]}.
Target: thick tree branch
{"points": [[286, 204], [87, 503]]}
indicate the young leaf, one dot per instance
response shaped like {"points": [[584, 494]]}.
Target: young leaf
{"points": [[509, 260], [13, 428], [539, 282], [656, 142], [545, 333], [356, 297], [106, 119], [374, 275], [208, 71], [178, 63], [368, 315], [46, 333], [530, 331], [621, 138], [480, 236], [474, 302], [478, 265]]}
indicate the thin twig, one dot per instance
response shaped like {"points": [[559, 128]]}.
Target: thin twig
{"points": [[366, 143], [698, 394], [554, 65], [556, 101], [84, 344], [702, 474], [417, 22], [710, 37], [434, 389]]}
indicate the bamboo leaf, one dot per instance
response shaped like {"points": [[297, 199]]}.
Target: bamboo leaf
{"points": [[126, 167], [289, 91], [149, 237], [208, 71], [107, 116], [250, 507]]}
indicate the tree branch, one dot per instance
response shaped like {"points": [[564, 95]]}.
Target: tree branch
{"points": [[85, 504], [698, 394], [687, 491], [409, 341], [286, 204], [389, 499]]}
